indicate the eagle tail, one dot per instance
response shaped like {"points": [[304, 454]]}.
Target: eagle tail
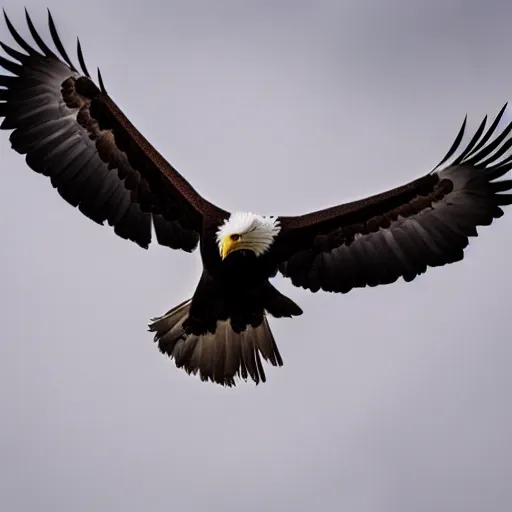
{"points": [[220, 356]]}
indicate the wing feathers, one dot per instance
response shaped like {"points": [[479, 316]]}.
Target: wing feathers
{"points": [[58, 43], [36, 37], [472, 143], [100, 81], [10, 66], [456, 142], [402, 232], [81, 59], [15, 35], [72, 132]]}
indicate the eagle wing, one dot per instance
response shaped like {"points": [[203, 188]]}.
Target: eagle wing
{"points": [[72, 131], [402, 232]]}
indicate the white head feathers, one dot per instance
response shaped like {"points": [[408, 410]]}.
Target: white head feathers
{"points": [[245, 230]]}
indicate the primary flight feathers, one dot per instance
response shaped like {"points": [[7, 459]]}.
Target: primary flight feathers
{"points": [[71, 130]]}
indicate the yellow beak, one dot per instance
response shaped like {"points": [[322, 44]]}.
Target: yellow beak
{"points": [[228, 246]]}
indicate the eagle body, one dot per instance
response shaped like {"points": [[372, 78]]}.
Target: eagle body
{"points": [[71, 131], [236, 288]]}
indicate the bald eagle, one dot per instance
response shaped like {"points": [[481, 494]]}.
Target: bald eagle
{"points": [[71, 130]]}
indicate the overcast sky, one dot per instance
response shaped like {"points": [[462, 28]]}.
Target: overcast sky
{"points": [[393, 399]]}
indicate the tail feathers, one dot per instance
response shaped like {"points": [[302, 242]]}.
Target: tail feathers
{"points": [[220, 356]]}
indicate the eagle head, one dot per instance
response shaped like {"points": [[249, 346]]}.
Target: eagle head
{"points": [[247, 231]]}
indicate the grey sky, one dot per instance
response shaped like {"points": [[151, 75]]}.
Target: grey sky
{"points": [[391, 399]]}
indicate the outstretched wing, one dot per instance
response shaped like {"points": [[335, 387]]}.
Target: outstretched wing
{"points": [[400, 233], [71, 131]]}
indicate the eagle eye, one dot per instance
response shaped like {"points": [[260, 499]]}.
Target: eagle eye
{"points": [[235, 237]]}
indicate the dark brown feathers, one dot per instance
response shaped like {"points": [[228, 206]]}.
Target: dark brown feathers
{"points": [[400, 233], [71, 131]]}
